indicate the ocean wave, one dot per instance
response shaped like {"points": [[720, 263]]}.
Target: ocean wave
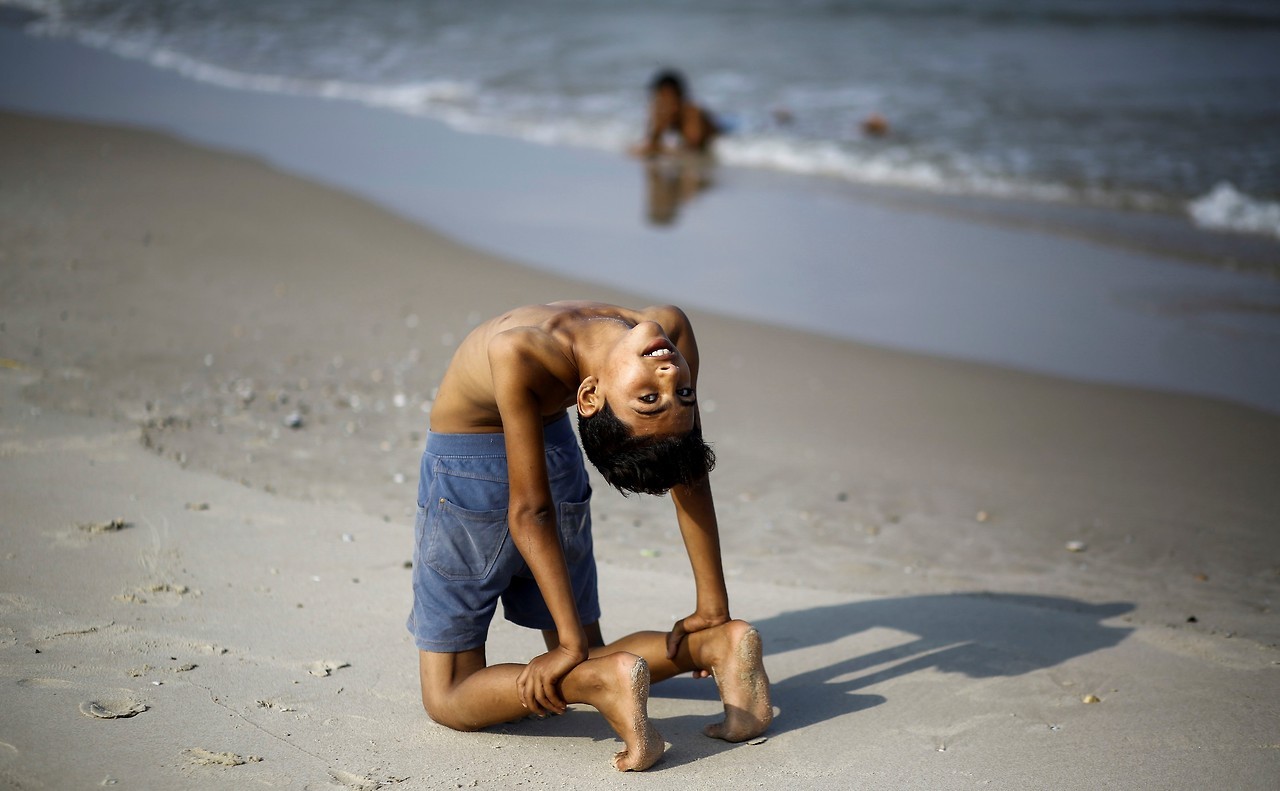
{"points": [[1225, 208], [461, 105], [1066, 13], [607, 115], [893, 167]]}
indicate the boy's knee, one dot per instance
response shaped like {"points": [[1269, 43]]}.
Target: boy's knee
{"points": [[442, 714]]}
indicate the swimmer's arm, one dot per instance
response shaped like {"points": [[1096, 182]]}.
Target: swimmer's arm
{"points": [[658, 121], [696, 127], [531, 516]]}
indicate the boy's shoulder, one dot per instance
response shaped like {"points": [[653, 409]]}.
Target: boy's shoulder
{"points": [[522, 343], [530, 354]]}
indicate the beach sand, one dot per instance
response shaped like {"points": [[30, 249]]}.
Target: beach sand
{"points": [[236, 364]]}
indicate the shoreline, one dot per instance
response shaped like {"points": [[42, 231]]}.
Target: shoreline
{"points": [[896, 524], [271, 308], [1009, 293]]}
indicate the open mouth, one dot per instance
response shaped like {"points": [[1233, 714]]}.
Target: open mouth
{"points": [[659, 347]]}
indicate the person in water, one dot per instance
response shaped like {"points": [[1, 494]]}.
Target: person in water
{"points": [[675, 122], [504, 513]]}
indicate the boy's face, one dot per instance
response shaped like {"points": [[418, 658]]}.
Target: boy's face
{"points": [[647, 382], [666, 101]]}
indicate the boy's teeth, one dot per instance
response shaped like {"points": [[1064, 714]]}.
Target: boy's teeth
{"points": [[658, 353]]}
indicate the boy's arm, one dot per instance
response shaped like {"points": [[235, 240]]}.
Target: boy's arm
{"points": [[696, 512], [531, 516], [696, 515]]}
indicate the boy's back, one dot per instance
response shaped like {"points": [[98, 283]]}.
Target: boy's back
{"points": [[532, 346]]}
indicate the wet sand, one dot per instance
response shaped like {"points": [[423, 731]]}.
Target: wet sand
{"points": [[235, 364]]}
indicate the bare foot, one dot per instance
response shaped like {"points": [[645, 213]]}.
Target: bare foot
{"points": [[744, 686], [624, 702]]}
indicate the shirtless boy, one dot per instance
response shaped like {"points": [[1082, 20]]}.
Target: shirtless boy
{"points": [[672, 114], [503, 513]]}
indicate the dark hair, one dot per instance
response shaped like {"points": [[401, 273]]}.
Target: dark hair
{"points": [[649, 465], [668, 78]]}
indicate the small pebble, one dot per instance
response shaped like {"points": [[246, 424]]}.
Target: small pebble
{"points": [[293, 420], [1076, 546], [982, 516], [1091, 699]]}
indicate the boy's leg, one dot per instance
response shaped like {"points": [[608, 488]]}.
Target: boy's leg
{"points": [[731, 652], [460, 692]]}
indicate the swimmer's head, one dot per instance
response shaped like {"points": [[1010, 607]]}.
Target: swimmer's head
{"points": [[668, 80]]}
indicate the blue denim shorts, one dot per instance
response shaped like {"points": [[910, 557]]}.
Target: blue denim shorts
{"points": [[464, 560]]}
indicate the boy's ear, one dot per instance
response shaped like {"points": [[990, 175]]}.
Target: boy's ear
{"points": [[589, 398]]}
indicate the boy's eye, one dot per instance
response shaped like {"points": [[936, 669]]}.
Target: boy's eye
{"points": [[685, 392], [651, 398]]}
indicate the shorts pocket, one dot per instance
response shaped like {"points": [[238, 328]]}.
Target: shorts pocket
{"points": [[463, 544], [574, 523]]}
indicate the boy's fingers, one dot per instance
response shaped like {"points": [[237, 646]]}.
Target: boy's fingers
{"points": [[673, 639], [524, 689], [553, 697], [546, 699]]}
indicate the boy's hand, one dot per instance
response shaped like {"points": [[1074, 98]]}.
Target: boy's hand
{"points": [[687, 626], [539, 682]]}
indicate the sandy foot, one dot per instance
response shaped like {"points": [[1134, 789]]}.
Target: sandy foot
{"points": [[629, 717], [744, 688]]}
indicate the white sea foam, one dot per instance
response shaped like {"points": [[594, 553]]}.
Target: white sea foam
{"points": [[893, 166], [1226, 208]]}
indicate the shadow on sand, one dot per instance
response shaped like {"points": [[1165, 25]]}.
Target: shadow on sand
{"points": [[981, 635]]}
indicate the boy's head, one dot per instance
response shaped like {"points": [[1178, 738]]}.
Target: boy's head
{"points": [[668, 80], [645, 464], [638, 415]]}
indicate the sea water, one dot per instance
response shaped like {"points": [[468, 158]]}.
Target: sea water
{"points": [[785, 242], [1157, 105]]}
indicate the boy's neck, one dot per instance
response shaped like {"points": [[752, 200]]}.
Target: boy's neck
{"points": [[591, 338]]}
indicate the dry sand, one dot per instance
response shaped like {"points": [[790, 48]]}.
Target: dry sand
{"points": [[896, 526]]}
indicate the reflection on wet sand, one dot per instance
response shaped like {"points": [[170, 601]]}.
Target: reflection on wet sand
{"points": [[672, 181]]}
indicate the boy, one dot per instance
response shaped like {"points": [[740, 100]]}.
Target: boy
{"points": [[504, 513], [670, 112]]}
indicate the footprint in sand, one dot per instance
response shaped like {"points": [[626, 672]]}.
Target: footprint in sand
{"points": [[112, 708], [162, 593], [363, 782], [202, 757], [325, 667], [110, 526], [44, 683]]}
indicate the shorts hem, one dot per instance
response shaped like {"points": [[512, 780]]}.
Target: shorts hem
{"points": [[548, 625], [448, 648]]}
